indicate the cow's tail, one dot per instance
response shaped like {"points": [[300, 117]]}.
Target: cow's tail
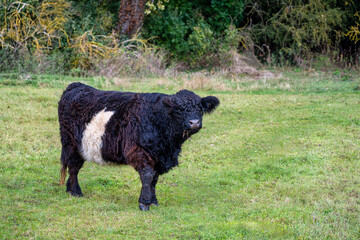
{"points": [[63, 173]]}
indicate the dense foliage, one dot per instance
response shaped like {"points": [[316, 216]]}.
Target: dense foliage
{"points": [[189, 29], [299, 29], [79, 35]]}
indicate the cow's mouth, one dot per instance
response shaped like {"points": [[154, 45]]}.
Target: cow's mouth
{"points": [[188, 132]]}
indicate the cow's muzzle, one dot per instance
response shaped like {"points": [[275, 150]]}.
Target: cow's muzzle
{"points": [[194, 123]]}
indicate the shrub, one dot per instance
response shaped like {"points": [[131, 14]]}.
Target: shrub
{"points": [[291, 31], [191, 30], [40, 28], [354, 33]]}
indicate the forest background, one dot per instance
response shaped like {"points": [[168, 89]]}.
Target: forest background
{"points": [[153, 37]]}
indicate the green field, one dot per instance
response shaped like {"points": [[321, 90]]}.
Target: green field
{"points": [[277, 160]]}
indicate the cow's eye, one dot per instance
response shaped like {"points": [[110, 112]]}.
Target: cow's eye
{"points": [[201, 109]]}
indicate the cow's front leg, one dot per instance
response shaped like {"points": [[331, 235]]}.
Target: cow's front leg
{"points": [[147, 175], [153, 186]]}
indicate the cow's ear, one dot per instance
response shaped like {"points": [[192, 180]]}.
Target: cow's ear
{"points": [[168, 103], [209, 103]]}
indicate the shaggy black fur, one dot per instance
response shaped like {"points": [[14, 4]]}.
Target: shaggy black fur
{"points": [[146, 131]]}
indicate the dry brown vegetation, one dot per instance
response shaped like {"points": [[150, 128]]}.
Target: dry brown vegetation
{"points": [[41, 28]]}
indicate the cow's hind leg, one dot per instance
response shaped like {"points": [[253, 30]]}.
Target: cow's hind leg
{"points": [[147, 175], [72, 184], [73, 161]]}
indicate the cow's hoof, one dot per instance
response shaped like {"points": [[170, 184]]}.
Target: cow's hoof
{"points": [[75, 194], [144, 207], [154, 201]]}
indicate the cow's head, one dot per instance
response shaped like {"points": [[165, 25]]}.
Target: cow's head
{"points": [[186, 109]]}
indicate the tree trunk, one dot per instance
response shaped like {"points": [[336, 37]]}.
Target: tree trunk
{"points": [[131, 16]]}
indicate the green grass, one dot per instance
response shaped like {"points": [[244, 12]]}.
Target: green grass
{"points": [[270, 163]]}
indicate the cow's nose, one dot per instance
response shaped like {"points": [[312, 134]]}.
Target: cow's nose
{"points": [[194, 123]]}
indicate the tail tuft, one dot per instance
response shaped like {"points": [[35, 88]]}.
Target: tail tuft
{"points": [[63, 174]]}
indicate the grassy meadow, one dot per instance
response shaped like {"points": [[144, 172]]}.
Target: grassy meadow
{"points": [[278, 159]]}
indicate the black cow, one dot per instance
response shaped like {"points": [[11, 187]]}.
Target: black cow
{"points": [[144, 130]]}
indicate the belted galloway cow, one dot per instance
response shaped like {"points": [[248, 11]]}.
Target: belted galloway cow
{"points": [[144, 130]]}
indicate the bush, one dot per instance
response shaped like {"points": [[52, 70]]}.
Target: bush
{"points": [[292, 31], [38, 28], [191, 30]]}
